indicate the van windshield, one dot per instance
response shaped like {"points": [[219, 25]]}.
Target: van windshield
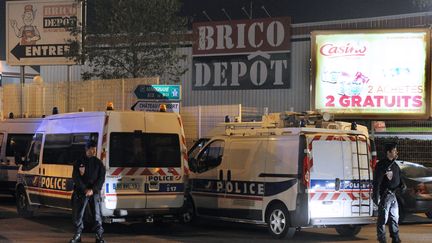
{"points": [[144, 150]]}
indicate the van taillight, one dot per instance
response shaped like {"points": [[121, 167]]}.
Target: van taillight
{"points": [[374, 157], [373, 161], [306, 172]]}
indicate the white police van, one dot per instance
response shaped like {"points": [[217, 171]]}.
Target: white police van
{"points": [[286, 175], [144, 154], [15, 138]]}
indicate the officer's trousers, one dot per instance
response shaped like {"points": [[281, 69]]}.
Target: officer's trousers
{"points": [[388, 210], [79, 205]]}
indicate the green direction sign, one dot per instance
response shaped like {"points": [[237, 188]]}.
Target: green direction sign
{"points": [[158, 92]]}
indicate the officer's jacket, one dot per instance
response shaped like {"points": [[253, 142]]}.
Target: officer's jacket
{"points": [[88, 173], [386, 169]]}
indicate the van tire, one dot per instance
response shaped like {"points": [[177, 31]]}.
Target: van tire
{"points": [[22, 203], [348, 230], [278, 222]]}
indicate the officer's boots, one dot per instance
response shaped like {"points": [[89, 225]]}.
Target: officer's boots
{"points": [[76, 238], [99, 239]]}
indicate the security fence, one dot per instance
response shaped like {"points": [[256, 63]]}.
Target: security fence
{"points": [[414, 139], [38, 99]]}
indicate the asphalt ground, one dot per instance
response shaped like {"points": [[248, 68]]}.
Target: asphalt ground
{"points": [[51, 225]]}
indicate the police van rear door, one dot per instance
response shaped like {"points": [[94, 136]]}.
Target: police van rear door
{"points": [[165, 160], [339, 176], [145, 165]]}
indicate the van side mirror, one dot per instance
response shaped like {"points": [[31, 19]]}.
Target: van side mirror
{"points": [[215, 161], [193, 165]]}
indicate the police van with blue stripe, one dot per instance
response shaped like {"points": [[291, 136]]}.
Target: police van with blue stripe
{"points": [[144, 154], [15, 137], [295, 171]]}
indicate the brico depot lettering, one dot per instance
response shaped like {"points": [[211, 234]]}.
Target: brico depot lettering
{"points": [[60, 10], [242, 36], [60, 22], [377, 101], [258, 70]]}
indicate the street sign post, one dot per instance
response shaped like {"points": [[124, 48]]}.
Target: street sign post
{"points": [[158, 92], [154, 106]]}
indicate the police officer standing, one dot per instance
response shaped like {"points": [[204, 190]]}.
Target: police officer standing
{"points": [[387, 179], [88, 176]]}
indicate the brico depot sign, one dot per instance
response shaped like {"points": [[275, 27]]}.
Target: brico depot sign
{"points": [[37, 31], [242, 54], [371, 73]]}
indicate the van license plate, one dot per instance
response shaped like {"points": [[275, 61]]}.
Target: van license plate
{"points": [[153, 186]]}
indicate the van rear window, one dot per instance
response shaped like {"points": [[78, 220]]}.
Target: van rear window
{"points": [[144, 150]]}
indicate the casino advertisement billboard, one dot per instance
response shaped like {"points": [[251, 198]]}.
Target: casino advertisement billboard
{"points": [[371, 73]]}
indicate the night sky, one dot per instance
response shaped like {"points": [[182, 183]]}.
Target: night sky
{"points": [[301, 11]]}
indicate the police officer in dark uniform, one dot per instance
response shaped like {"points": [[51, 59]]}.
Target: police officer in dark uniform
{"points": [[387, 179], [88, 176]]}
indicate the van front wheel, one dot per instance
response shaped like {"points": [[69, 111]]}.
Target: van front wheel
{"points": [[348, 230], [278, 222], [22, 203]]}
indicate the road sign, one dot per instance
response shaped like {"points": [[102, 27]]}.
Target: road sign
{"points": [[158, 92], [154, 106], [37, 32]]}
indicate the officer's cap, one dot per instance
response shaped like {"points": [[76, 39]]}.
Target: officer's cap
{"points": [[90, 144]]}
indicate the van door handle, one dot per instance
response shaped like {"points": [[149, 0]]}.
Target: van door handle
{"points": [[229, 175], [221, 175], [337, 184]]}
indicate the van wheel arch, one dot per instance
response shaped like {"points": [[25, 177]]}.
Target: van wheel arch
{"points": [[22, 203], [278, 220]]}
